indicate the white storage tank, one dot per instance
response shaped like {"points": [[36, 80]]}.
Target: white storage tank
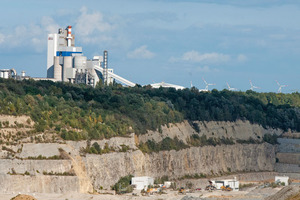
{"points": [[57, 69], [5, 74], [80, 62], [68, 63], [1, 74]]}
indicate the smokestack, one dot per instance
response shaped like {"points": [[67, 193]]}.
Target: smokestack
{"points": [[69, 36], [105, 69]]}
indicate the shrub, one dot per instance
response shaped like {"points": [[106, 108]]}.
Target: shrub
{"points": [[123, 185], [270, 138]]}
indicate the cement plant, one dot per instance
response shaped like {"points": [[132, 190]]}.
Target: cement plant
{"points": [[67, 63], [79, 141]]}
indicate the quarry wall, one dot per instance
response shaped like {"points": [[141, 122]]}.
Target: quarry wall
{"points": [[207, 160], [242, 130], [102, 171]]}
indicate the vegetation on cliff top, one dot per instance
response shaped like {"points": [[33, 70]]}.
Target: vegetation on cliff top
{"points": [[81, 112]]}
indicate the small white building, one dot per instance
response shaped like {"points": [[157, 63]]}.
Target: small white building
{"points": [[167, 85], [282, 179], [167, 184], [142, 182], [233, 183]]}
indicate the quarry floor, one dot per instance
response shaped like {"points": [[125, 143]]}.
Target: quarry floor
{"points": [[249, 194]]}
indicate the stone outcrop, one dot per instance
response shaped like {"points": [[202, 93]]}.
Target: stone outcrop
{"points": [[40, 184], [288, 156], [176, 164], [20, 171], [242, 130]]}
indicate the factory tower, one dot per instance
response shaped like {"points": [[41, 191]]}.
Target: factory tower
{"points": [[66, 62]]}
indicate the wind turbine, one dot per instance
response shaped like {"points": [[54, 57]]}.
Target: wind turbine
{"points": [[230, 88], [207, 84], [280, 86], [253, 86]]}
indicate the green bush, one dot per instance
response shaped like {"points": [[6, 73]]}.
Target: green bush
{"points": [[123, 185], [270, 138], [166, 144]]}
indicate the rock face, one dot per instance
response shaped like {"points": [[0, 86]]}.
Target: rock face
{"points": [[40, 184], [288, 156], [21, 171], [107, 169], [242, 130]]}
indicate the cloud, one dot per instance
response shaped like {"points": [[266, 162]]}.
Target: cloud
{"points": [[49, 25], [241, 58], [141, 52], [194, 56], [87, 24], [2, 38], [32, 36], [208, 58], [206, 69]]}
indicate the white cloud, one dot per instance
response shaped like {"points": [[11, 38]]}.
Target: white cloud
{"points": [[141, 52], [206, 69], [49, 25], [88, 24], [2, 38], [29, 36], [242, 58], [194, 56], [208, 58], [90, 27]]}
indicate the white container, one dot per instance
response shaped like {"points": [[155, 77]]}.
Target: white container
{"points": [[282, 179], [142, 182]]}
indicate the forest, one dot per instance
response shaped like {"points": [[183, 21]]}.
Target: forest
{"points": [[78, 112]]}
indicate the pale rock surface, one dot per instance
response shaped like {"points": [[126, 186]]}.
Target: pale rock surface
{"points": [[106, 169], [242, 130]]}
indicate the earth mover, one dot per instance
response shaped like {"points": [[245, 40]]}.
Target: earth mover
{"points": [[226, 188]]}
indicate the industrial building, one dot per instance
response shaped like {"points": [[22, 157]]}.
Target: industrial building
{"points": [[142, 182], [66, 62], [282, 179], [233, 183], [167, 85], [11, 73]]}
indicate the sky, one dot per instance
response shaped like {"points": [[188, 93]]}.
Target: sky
{"points": [[174, 41]]}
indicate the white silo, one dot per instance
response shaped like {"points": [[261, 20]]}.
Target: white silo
{"points": [[57, 69], [23, 74], [5, 74], [68, 61], [80, 62]]}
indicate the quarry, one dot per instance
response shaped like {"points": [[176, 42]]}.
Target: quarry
{"points": [[43, 164]]}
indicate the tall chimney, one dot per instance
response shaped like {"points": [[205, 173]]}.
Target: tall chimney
{"points": [[105, 69], [69, 36]]}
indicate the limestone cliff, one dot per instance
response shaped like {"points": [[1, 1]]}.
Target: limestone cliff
{"points": [[106, 169], [30, 166], [242, 130]]}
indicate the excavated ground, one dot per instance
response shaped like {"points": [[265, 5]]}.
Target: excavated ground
{"points": [[250, 194]]}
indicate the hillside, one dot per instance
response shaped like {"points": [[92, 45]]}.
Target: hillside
{"points": [[58, 138], [78, 112]]}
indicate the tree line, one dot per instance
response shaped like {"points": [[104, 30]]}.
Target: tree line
{"points": [[82, 112]]}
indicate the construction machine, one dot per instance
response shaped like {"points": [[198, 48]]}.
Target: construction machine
{"points": [[226, 188], [210, 187], [181, 191]]}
